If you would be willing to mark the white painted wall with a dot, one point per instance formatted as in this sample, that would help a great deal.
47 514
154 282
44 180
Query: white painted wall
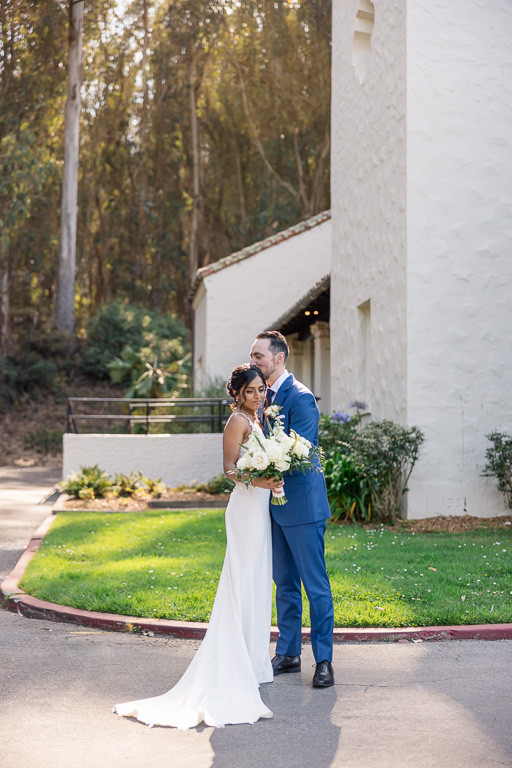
459 158
369 210
245 298
175 458
200 331
422 226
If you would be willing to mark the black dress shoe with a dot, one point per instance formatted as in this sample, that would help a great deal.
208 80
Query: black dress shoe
282 664
324 675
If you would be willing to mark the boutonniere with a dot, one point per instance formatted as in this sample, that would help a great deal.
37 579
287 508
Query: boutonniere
272 412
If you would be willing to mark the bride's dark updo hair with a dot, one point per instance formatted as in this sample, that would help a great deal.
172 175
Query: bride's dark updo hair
240 377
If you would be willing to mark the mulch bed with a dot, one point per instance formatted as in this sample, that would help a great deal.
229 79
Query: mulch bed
451 524
137 505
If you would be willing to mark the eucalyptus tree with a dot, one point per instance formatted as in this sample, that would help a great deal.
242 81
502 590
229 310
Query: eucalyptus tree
65 310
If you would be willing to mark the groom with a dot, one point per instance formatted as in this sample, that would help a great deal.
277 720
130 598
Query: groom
298 527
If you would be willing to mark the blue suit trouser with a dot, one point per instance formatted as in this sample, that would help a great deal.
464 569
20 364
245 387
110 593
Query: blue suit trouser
298 556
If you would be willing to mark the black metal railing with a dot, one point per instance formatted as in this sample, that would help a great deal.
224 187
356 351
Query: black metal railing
141 415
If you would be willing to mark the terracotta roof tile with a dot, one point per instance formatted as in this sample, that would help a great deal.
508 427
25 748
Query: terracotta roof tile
261 245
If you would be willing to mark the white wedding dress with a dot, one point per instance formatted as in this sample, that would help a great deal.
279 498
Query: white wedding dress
221 685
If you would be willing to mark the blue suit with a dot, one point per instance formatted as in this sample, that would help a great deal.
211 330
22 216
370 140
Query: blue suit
298 529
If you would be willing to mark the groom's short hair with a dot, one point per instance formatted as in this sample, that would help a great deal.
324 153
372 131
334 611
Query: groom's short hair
277 342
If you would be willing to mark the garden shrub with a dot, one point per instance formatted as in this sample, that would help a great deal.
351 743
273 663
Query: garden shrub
25 374
366 467
93 483
119 325
89 483
499 463
385 454
44 440
218 484
155 371
347 489
336 430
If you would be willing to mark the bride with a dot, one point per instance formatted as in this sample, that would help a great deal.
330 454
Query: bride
221 685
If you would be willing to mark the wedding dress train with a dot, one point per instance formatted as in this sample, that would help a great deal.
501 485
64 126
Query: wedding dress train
221 685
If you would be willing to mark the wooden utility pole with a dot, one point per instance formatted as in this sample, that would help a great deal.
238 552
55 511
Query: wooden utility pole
65 312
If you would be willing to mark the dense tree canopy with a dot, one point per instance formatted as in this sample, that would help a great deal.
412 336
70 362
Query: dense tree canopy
205 126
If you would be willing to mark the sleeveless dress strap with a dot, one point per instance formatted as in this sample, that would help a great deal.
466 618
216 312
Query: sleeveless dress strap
248 419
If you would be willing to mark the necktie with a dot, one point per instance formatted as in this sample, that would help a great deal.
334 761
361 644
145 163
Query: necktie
268 401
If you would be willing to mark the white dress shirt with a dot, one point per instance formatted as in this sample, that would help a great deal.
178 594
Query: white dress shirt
274 389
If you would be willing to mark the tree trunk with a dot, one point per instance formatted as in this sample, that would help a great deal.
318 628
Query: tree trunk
65 313
143 178
4 297
193 257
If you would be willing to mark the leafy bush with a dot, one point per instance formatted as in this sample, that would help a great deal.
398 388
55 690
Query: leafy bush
89 483
93 483
366 468
218 484
385 454
499 463
147 376
26 374
347 490
214 387
126 485
336 430
44 440
153 487
120 325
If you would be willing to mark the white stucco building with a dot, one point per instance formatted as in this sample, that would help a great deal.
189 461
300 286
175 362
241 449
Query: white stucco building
281 282
421 310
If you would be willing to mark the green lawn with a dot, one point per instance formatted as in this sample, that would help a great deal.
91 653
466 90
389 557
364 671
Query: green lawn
167 564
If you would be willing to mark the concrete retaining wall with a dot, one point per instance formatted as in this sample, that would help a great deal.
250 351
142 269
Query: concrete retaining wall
175 458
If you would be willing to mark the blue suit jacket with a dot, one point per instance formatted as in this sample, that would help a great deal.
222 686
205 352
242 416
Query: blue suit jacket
306 493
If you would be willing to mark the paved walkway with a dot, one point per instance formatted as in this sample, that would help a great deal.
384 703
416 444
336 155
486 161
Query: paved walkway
394 705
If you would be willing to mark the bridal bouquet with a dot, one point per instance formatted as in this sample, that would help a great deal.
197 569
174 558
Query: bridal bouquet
275 453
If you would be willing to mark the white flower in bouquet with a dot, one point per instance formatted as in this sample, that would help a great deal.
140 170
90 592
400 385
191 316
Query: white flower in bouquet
275 451
259 460
272 412
301 439
283 465
275 454
300 450
243 462
285 441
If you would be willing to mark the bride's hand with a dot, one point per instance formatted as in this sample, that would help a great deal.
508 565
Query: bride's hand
270 483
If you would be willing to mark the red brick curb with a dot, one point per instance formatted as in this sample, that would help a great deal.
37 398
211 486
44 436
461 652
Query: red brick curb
15 599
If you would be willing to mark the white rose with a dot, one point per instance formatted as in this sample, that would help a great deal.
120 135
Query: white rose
242 462
285 442
274 451
283 464
253 443
300 439
259 460
300 450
